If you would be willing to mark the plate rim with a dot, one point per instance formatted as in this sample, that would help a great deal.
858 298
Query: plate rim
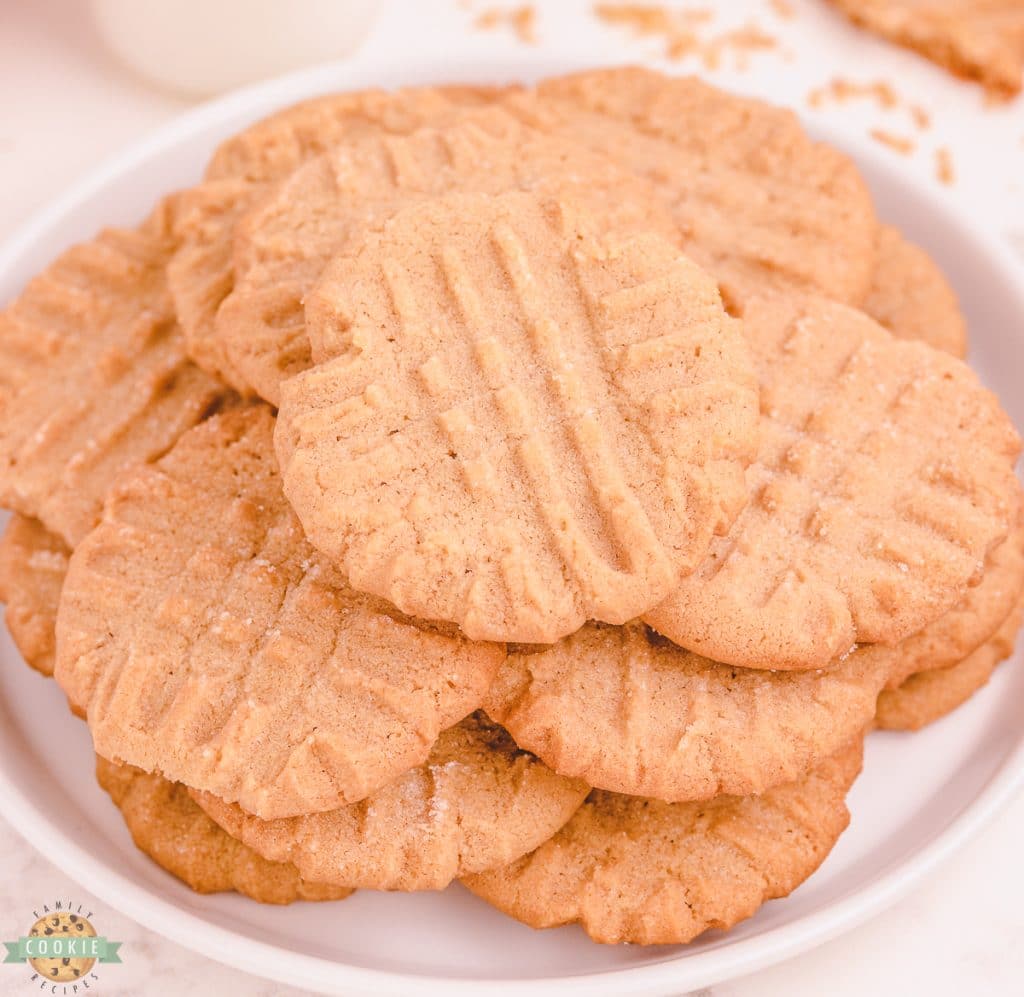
190 929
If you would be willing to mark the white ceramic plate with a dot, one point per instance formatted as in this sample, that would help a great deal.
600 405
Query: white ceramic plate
919 798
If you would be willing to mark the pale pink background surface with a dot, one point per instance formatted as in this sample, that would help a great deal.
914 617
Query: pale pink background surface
66 106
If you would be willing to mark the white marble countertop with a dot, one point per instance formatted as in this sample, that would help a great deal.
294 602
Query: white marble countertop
66 106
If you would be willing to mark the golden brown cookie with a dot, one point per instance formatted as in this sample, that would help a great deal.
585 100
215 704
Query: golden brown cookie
979 40
171 829
271 148
93 377
631 869
525 424
628 711
758 204
884 479
911 297
284 243
929 695
207 641
971 623
477 802
32 566
242 172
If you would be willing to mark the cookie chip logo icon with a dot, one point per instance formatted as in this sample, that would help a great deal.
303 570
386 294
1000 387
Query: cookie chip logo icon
61 926
62 946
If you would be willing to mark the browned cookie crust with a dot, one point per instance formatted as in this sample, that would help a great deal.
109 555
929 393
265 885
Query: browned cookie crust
168 826
927 696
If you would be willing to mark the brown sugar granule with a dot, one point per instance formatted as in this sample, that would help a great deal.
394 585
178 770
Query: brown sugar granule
881 92
944 166
522 21
682 44
678 29
741 41
651 19
904 146
840 89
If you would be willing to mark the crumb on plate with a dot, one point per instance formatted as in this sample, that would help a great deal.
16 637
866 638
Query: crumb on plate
899 143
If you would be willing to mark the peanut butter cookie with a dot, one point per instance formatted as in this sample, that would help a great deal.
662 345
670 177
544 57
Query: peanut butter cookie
33 563
911 297
631 869
929 695
477 802
885 478
207 641
758 204
171 829
521 422
94 378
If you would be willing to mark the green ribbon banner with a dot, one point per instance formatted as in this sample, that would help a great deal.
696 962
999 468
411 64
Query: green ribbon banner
62 947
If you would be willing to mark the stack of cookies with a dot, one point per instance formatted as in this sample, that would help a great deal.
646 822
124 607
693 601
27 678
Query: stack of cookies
545 489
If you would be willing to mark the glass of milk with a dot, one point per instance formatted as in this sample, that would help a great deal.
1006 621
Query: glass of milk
202 47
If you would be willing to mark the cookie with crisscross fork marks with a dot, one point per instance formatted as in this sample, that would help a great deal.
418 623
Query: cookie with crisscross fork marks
757 203
243 171
272 147
627 710
525 424
911 297
475 803
93 377
169 827
207 641
283 244
929 695
884 479
632 869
